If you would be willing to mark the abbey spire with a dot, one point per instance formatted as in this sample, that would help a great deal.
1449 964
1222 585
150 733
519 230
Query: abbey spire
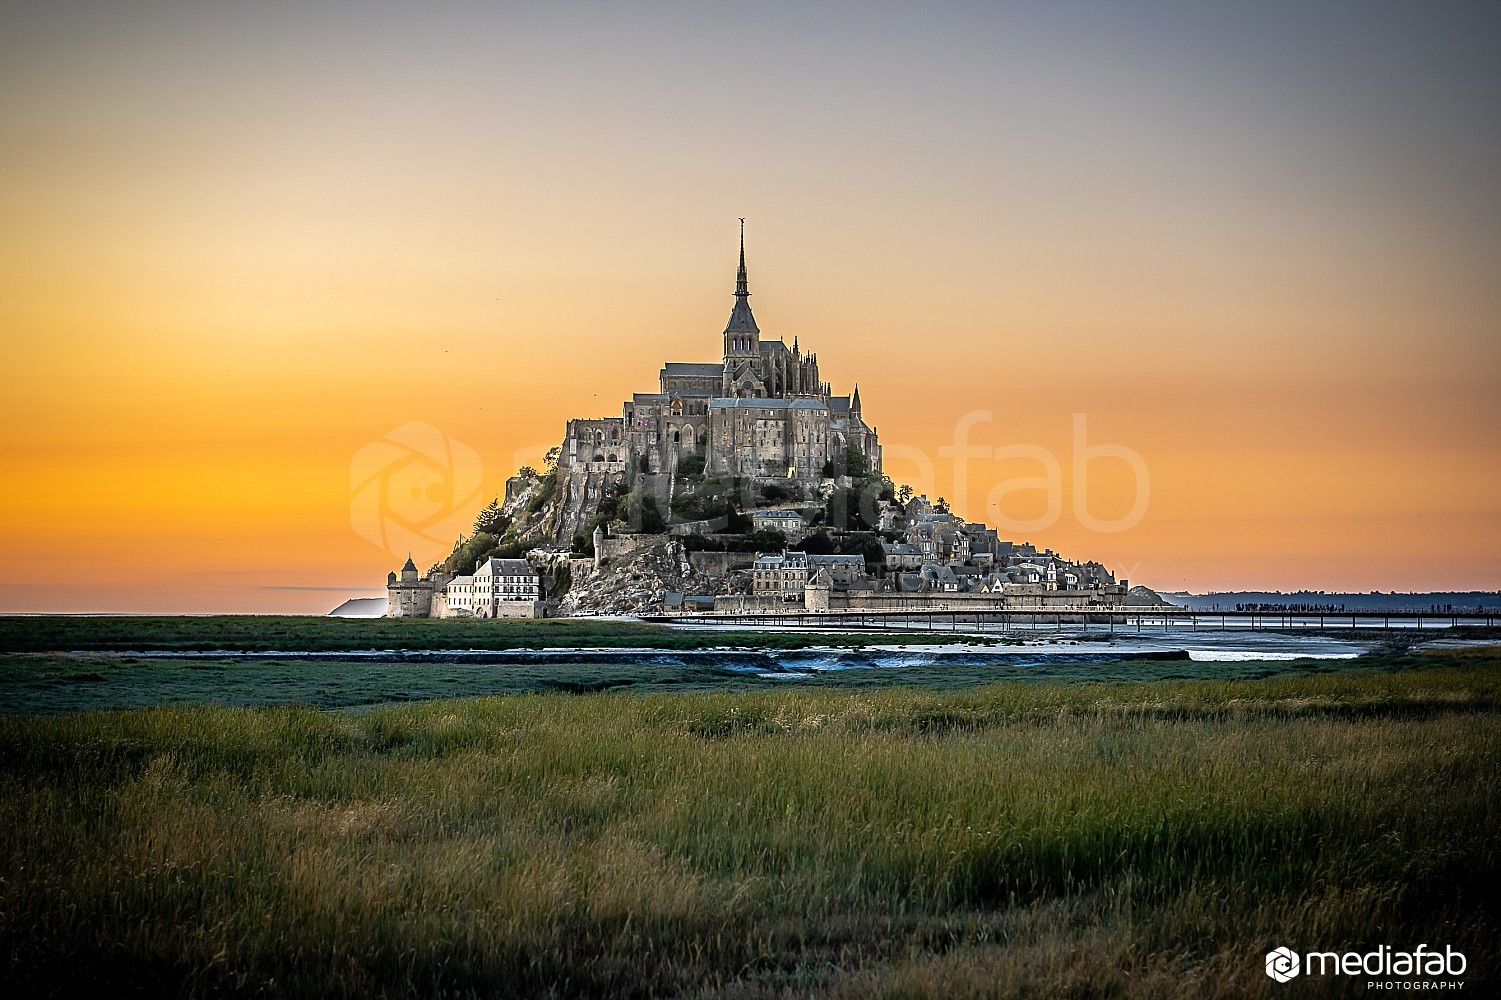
742 324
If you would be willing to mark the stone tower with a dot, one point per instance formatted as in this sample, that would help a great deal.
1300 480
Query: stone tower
742 338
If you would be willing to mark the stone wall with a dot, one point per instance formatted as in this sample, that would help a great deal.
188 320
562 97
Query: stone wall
599 443
619 546
866 600
719 564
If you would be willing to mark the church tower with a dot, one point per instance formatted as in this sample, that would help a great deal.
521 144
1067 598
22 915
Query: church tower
742 339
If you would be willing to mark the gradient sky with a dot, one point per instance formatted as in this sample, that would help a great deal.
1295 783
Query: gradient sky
1257 244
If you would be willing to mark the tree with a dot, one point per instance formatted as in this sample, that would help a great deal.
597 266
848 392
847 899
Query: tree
467 553
738 523
863 543
942 506
691 465
491 520
818 544
773 493
639 509
904 495
551 458
855 464
526 471
766 540
851 508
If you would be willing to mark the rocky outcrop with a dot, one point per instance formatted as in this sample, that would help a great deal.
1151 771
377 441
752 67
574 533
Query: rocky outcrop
1146 597
635 583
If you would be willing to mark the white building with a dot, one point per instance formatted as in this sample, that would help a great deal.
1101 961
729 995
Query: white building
498 588
505 588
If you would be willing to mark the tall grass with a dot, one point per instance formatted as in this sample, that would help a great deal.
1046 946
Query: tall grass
1085 839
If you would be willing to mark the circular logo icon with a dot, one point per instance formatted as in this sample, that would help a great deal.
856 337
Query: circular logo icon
1282 964
413 490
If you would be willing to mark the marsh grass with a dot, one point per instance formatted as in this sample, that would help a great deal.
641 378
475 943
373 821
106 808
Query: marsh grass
1084 839
36 683
257 633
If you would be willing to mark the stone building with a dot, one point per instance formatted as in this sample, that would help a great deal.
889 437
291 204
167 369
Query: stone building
786 574
498 588
408 596
788 522
761 412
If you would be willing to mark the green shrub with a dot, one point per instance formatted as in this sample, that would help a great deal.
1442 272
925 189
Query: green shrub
639 510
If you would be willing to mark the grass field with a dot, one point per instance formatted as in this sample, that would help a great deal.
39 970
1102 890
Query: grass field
1085 839
38 683
42 633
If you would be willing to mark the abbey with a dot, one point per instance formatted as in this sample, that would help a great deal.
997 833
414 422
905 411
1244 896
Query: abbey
761 412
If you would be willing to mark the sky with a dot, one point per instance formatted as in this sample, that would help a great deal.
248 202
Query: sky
1251 250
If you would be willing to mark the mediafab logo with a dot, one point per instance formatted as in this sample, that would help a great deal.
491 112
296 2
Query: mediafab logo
1283 964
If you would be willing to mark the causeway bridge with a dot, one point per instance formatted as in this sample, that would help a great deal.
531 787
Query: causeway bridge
1112 620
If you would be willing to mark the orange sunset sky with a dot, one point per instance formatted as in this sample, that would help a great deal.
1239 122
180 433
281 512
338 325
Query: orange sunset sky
1258 247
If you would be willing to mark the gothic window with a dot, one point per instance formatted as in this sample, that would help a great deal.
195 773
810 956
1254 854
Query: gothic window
677 407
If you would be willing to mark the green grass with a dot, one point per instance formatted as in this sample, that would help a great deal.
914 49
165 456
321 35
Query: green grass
44 633
1087 839
37 683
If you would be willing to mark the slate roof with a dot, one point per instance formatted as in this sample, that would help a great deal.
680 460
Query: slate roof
741 320
507 567
754 403
693 369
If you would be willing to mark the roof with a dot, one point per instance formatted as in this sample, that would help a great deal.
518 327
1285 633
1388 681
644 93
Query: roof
691 368
648 397
741 320
835 560
757 403
773 346
784 515
506 567
839 404
408 565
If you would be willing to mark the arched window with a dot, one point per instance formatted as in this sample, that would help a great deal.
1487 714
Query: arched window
676 437
677 407
612 458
